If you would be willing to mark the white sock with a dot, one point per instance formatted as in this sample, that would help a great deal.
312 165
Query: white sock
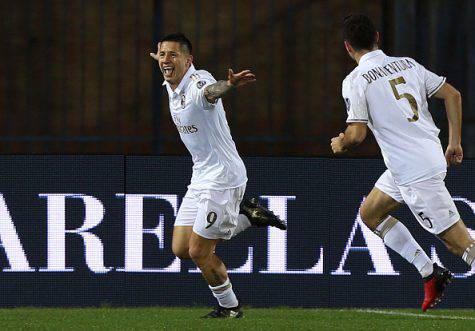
400 240
469 255
225 294
242 224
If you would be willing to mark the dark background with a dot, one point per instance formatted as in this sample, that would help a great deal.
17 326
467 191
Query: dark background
76 76
328 194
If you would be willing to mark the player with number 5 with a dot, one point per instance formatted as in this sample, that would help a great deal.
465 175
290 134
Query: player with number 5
389 95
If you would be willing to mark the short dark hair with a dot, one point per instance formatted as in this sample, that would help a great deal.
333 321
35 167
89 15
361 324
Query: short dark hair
179 38
359 31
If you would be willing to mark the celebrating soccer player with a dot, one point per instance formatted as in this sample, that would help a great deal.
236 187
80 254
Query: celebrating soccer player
389 95
211 209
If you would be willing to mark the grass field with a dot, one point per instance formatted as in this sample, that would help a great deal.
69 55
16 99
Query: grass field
157 318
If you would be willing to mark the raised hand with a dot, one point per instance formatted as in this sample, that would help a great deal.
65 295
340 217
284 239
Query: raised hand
221 88
241 78
155 55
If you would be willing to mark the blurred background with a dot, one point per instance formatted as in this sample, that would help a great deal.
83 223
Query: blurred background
76 76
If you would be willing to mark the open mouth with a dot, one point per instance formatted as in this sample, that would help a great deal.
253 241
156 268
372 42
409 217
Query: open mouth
167 71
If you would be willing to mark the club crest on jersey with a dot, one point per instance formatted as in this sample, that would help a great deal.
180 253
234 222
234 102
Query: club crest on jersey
176 120
200 84
183 99
348 104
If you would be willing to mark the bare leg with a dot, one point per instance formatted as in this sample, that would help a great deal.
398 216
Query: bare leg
181 240
202 252
459 242
213 270
375 212
376 208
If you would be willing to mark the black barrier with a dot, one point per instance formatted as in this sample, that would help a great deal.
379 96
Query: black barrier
96 230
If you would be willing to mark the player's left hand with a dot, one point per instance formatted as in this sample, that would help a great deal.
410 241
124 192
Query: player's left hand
241 78
337 144
454 155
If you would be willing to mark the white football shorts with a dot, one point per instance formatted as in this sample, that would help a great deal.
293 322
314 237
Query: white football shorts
213 214
429 200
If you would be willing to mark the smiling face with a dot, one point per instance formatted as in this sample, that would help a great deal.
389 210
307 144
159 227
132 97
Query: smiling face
174 61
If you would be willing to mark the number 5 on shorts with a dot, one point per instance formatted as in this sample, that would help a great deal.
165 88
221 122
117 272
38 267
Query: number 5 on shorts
425 218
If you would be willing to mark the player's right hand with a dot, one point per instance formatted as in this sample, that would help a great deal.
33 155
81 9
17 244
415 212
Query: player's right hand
337 144
454 155
155 55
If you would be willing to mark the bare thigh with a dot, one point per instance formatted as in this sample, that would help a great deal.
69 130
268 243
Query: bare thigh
181 241
202 246
376 207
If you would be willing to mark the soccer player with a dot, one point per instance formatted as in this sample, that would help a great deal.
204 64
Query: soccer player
389 95
211 210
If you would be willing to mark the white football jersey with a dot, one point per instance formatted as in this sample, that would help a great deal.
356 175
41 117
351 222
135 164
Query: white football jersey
205 132
390 95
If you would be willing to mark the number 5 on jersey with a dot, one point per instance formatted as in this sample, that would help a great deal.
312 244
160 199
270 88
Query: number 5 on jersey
409 97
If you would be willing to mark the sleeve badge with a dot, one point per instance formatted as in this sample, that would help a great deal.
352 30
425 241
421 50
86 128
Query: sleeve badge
200 84
348 104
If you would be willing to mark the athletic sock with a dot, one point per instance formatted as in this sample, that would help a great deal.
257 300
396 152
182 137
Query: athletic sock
225 294
242 224
397 237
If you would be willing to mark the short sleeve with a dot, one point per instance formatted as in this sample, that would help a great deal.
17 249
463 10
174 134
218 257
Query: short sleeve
432 81
197 90
353 93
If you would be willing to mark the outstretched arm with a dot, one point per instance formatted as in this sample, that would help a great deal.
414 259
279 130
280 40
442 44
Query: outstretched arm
354 135
453 107
221 88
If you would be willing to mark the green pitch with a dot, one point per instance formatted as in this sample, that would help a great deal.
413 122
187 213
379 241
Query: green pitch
158 318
